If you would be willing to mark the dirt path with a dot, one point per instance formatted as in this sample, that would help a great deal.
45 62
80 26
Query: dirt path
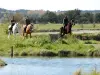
74 32
86 31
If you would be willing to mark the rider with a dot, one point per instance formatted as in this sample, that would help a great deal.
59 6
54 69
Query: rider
27 20
12 23
65 21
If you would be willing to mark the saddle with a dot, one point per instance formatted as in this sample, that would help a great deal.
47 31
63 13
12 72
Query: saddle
25 29
11 27
66 28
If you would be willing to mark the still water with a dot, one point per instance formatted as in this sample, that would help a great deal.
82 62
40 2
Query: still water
48 66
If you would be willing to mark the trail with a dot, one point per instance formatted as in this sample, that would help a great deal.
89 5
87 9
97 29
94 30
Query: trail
74 32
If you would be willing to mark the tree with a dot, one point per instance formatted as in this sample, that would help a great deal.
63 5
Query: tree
18 17
60 18
73 14
97 17
7 16
49 17
89 17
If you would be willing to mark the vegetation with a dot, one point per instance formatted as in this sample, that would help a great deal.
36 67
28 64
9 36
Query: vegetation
41 16
43 45
93 72
55 27
2 63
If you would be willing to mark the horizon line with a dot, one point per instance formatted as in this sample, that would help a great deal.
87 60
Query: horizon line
50 10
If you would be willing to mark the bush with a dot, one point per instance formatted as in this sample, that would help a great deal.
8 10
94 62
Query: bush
23 53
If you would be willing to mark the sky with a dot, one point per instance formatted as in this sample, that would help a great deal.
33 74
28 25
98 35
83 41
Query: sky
52 5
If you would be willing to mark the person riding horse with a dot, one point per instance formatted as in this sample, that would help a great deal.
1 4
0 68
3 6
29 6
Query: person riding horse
27 28
27 23
65 21
67 27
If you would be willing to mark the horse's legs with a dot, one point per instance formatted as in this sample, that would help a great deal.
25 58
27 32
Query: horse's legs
23 33
26 35
61 31
30 35
14 33
9 33
70 31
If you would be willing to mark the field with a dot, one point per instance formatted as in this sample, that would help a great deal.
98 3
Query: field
42 45
57 26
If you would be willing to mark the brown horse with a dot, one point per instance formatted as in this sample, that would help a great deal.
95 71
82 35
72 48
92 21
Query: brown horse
67 28
28 30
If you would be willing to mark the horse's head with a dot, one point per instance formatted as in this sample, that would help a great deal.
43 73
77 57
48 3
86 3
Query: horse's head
72 22
32 26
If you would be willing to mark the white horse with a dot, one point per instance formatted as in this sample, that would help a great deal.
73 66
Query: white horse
14 30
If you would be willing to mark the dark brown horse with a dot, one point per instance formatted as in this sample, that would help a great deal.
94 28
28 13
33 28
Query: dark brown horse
67 28
28 30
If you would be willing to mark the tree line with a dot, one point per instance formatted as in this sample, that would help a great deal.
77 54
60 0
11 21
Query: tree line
50 16
79 17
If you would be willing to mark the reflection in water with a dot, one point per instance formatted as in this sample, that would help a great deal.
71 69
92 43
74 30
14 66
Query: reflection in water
48 66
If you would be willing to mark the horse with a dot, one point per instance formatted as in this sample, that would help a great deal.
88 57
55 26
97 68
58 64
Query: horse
67 28
14 30
28 30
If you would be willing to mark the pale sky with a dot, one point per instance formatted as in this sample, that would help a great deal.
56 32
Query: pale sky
52 5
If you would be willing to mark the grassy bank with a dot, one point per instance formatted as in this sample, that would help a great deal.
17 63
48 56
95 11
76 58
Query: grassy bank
2 63
93 72
42 45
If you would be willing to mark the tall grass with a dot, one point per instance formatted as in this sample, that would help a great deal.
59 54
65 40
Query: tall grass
2 63
93 72
40 42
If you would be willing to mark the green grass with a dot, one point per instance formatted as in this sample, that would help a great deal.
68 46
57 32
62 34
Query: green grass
93 72
86 26
40 44
2 63
48 26
57 26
